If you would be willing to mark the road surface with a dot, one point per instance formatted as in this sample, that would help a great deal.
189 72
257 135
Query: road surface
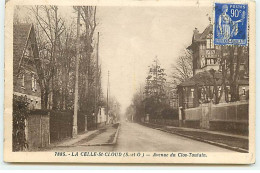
134 137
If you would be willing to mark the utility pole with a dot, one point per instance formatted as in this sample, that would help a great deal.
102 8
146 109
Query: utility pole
156 78
75 116
107 94
97 83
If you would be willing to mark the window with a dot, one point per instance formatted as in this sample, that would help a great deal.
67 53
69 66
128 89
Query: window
28 53
192 93
33 82
23 80
208 61
202 94
210 44
244 91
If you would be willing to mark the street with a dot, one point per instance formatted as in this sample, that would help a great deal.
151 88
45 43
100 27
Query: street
134 137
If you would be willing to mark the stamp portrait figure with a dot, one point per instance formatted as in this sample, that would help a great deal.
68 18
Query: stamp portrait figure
227 28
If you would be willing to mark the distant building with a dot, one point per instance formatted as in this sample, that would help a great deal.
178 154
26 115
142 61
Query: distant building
101 117
171 95
207 56
25 55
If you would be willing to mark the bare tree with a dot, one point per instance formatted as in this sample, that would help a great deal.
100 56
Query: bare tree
88 67
183 68
56 65
49 27
228 74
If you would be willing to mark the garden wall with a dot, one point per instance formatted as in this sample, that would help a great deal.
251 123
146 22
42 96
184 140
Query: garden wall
37 129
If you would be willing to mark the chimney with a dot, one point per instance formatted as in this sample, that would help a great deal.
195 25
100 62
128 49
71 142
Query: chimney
195 34
195 31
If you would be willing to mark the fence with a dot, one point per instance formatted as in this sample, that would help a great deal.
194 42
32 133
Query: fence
61 123
37 129
43 127
81 122
231 117
230 112
228 117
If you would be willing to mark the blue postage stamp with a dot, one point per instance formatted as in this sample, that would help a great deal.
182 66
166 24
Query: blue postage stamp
230 24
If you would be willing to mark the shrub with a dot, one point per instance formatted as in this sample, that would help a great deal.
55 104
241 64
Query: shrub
20 114
169 113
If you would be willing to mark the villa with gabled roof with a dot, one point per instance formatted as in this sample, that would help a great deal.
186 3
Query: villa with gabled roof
25 57
206 57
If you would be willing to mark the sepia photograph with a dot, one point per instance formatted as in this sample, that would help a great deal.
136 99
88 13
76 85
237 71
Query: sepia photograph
121 81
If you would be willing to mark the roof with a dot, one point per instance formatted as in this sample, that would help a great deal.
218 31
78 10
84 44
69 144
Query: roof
204 34
201 78
197 37
21 33
205 78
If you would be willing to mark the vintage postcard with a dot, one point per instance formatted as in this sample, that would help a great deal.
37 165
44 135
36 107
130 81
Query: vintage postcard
95 81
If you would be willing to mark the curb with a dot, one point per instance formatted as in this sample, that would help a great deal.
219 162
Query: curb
106 144
75 141
116 135
206 141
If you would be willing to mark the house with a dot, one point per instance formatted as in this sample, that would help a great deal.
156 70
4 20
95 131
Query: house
25 57
199 89
208 72
25 83
101 117
205 54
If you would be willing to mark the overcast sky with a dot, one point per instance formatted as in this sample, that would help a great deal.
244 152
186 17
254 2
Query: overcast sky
131 37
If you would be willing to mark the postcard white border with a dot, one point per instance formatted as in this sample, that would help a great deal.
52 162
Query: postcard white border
213 157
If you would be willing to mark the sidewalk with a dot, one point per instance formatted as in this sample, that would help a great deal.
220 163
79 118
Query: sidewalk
226 140
209 131
104 136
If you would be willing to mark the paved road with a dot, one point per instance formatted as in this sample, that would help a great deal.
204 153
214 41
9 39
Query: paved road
135 137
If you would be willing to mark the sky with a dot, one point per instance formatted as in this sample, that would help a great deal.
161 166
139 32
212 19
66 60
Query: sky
131 38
